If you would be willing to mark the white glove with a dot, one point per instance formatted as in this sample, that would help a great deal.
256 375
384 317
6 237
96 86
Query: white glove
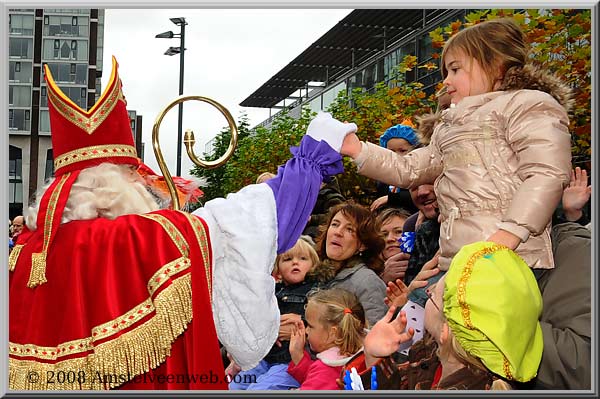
325 128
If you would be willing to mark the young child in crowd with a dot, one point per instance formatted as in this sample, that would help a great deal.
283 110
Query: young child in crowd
500 154
296 273
401 139
335 327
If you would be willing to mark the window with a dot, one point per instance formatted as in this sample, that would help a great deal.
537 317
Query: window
65 51
27 115
21 25
83 92
73 69
17 121
49 165
56 44
15 179
20 72
19 96
46 20
44 121
20 47
73 44
81 74
74 21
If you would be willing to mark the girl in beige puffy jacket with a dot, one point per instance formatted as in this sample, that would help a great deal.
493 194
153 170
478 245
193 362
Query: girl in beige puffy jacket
499 156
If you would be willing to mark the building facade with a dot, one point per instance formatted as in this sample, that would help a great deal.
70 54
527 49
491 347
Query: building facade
70 42
361 50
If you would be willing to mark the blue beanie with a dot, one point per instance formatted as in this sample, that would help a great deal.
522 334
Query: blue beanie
399 132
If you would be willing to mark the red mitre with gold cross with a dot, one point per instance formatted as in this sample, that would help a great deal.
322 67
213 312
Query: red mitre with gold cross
80 139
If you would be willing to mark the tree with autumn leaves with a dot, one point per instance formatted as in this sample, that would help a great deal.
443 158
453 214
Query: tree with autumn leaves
560 42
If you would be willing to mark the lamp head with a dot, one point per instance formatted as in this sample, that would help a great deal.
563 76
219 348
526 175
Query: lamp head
165 35
178 21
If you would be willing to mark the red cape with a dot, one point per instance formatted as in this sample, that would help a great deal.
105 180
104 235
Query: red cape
116 310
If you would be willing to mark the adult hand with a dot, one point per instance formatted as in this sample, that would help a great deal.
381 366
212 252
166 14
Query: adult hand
576 195
429 269
505 238
379 202
386 336
286 326
397 292
297 343
395 267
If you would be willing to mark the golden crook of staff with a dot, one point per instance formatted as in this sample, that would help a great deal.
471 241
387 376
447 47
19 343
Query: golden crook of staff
189 143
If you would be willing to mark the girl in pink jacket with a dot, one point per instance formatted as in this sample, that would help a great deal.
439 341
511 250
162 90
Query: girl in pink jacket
335 327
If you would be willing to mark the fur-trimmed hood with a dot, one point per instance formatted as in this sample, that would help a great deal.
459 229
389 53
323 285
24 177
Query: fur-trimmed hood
529 77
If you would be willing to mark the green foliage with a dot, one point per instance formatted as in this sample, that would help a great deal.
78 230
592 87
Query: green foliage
560 41
262 150
215 178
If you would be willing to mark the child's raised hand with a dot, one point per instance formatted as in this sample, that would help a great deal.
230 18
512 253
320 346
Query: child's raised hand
396 294
297 343
386 336
576 195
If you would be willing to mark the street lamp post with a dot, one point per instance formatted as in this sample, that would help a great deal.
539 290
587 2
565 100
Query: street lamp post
181 51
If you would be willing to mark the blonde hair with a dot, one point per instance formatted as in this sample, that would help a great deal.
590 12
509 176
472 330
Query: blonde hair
351 324
469 360
302 246
105 191
497 45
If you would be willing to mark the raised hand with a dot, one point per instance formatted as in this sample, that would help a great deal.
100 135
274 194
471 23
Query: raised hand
287 325
386 336
576 195
297 343
379 201
326 128
396 294
395 267
351 146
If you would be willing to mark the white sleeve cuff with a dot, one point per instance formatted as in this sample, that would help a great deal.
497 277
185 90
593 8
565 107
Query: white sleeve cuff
243 234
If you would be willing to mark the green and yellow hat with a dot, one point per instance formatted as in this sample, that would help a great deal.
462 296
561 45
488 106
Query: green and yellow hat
493 304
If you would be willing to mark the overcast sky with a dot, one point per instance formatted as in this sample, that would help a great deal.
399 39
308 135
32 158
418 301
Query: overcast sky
230 53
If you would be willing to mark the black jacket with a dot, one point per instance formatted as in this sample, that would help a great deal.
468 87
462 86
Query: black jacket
290 299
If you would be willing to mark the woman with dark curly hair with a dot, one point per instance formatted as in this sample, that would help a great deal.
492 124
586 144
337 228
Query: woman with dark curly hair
349 245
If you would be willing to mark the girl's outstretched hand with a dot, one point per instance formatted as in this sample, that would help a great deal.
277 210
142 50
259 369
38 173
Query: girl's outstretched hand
386 336
351 146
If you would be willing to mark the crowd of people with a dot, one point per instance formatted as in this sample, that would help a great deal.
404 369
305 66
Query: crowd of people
470 270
